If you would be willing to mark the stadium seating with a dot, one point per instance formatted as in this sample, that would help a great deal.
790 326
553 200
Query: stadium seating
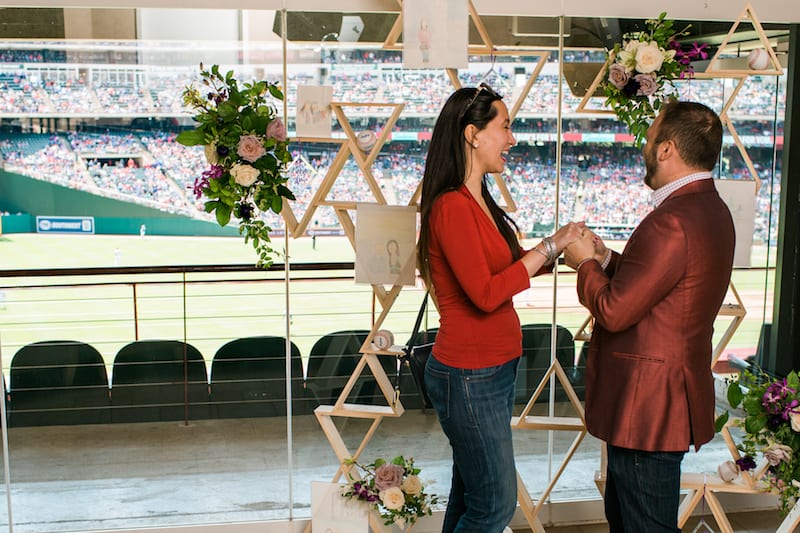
248 379
536 345
58 382
332 359
155 380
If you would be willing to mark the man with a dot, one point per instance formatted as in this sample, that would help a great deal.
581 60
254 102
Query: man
649 388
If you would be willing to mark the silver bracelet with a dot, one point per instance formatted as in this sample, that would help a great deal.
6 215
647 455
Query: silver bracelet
536 249
551 250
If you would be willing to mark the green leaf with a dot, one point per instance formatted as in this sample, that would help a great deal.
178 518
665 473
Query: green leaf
275 92
190 138
792 380
277 204
735 395
752 404
720 422
285 192
227 110
223 214
754 424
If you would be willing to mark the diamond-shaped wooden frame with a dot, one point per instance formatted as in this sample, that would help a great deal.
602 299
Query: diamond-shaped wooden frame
347 146
525 420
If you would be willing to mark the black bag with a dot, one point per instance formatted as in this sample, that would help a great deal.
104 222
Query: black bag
415 356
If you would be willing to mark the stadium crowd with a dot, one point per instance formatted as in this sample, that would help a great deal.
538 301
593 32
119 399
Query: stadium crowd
601 184
123 91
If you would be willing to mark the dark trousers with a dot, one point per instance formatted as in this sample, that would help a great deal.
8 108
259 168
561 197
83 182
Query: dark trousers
642 490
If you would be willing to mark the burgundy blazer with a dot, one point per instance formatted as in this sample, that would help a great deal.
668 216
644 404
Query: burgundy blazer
648 377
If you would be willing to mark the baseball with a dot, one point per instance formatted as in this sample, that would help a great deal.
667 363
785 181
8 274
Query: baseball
383 339
758 59
366 140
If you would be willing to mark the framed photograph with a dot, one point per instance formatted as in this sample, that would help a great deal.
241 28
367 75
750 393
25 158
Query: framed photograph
333 513
740 195
435 33
386 244
314 110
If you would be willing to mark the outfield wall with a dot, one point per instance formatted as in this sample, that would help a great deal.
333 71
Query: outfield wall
31 198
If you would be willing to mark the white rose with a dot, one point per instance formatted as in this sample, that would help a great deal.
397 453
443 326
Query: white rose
211 153
412 485
795 418
649 57
393 498
244 175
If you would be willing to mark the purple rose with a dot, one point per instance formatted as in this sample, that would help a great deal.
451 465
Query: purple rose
647 84
388 475
617 75
276 130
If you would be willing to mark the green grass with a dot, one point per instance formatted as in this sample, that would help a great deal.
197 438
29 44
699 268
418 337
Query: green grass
220 307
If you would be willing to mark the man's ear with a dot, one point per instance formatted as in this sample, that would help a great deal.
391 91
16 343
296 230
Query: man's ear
666 149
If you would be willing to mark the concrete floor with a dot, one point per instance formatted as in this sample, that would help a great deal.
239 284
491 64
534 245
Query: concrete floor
131 476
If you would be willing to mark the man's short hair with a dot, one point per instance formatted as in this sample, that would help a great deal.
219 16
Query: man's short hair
696 131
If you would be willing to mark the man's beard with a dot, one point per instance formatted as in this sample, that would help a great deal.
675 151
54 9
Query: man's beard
651 166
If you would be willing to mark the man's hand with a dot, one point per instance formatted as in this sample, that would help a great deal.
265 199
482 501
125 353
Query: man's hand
580 249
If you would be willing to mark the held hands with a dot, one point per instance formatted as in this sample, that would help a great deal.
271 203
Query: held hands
589 246
551 247
567 234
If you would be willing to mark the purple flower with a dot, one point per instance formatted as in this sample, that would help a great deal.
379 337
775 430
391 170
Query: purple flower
617 75
647 84
199 184
214 172
789 408
746 463
774 422
698 50
276 130
222 151
774 396
631 88
246 211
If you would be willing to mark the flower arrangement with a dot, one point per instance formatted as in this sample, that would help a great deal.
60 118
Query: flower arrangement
771 427
641 73
392 488
246 149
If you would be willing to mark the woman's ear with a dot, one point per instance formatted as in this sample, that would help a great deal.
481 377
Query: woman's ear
469 134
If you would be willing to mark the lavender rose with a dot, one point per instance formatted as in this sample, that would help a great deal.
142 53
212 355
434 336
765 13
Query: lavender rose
250 148
778 453
647 84
617 75
276 130
388 475
244 175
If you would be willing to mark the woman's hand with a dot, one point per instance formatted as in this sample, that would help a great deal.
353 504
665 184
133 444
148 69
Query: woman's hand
567 234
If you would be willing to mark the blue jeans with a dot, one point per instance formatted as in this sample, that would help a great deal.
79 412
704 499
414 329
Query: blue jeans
474 409
642 490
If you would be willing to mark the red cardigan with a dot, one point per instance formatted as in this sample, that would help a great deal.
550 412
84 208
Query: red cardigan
475 279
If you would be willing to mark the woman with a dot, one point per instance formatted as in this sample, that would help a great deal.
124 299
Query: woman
470 256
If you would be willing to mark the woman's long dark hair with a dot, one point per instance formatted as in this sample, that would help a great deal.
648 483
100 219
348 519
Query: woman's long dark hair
446 164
